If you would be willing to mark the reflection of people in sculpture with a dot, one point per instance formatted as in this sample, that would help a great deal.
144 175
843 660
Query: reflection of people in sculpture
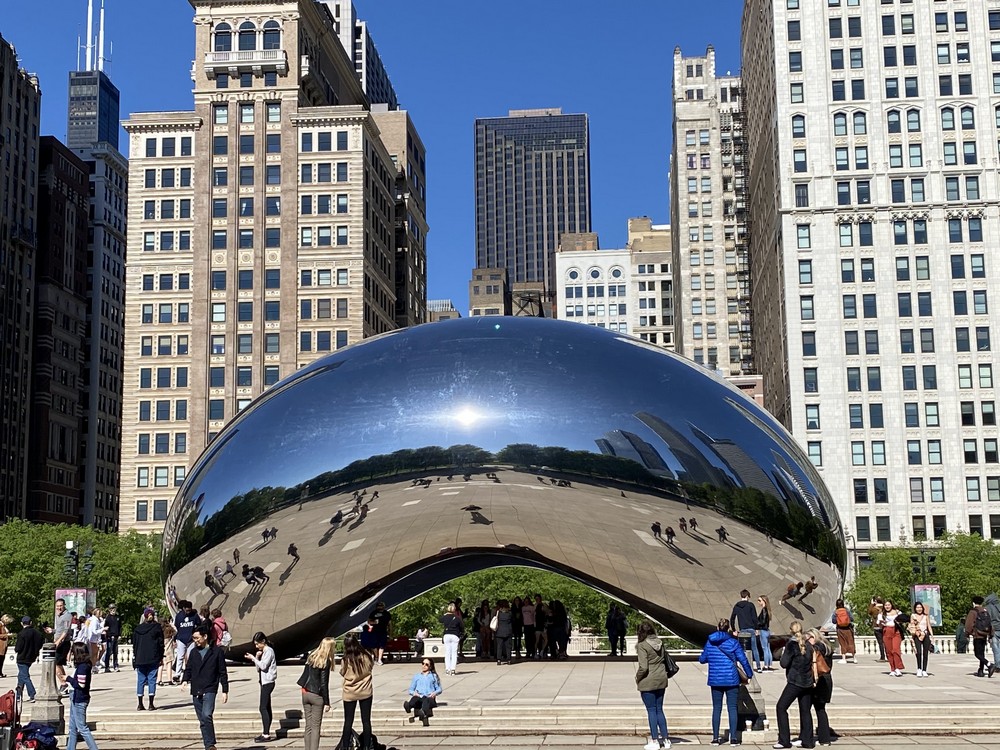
811 586
684 526
670 534
793 589
723 533
229 570
337 519
260 575
656 529
694 524
293 551
236 556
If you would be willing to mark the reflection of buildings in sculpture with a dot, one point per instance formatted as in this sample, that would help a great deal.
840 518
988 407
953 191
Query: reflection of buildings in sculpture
742 466
695 468
802 490
626 444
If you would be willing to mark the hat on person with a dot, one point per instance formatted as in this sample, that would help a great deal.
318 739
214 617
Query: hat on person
112 606
25 620
148 611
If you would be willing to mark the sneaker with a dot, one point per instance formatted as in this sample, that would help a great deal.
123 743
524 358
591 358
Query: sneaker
406 706
779 746
262 738
796 743
379 662
31 700
665 744
652 745
991 669
717 741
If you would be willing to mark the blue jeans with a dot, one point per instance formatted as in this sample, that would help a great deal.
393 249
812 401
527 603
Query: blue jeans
78 726
754 645
653 701
765 642
24 679
732 695
204 707
145 676
995 645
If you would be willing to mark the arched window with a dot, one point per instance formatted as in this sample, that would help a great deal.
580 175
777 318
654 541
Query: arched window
839 123
860 124
968 119
892 120
223 38
272 35
947 119
798 126
913 120
573 274
616 273
248 36
595 273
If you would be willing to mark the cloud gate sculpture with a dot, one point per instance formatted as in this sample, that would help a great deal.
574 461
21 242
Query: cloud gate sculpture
402 462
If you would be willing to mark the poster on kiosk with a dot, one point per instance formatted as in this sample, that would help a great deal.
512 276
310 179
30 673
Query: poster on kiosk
930 595
77 600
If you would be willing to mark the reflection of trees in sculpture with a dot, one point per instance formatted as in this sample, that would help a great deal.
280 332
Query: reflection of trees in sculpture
755 508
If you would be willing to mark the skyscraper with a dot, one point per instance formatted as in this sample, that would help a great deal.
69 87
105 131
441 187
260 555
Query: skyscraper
92 127
20 104
532 186
357 42
708 216
873 207
262 233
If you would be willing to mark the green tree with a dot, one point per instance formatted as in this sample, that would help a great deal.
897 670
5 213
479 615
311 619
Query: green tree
965 565
126 569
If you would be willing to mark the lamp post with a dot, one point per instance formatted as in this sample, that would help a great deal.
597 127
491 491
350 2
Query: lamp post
853 548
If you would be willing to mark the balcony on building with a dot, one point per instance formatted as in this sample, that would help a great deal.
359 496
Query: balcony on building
258 50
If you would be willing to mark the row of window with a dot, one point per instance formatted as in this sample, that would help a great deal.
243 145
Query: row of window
248 36
911 415
857 87
965 339
159 510
596 290
968 376
904 304
160 476
914 153
246 111
159 442
321 341
168 146
246 79
245 279
165 346
958 231
915 451
576 311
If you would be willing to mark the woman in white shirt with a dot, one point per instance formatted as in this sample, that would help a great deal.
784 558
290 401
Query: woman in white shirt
891 637
95 636
267 674
922 631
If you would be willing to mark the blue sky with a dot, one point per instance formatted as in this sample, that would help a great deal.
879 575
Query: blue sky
451 61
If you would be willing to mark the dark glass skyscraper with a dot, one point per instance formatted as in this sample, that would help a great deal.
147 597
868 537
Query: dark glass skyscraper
93 109
532 186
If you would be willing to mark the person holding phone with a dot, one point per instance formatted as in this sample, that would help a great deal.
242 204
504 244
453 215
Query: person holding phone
267 675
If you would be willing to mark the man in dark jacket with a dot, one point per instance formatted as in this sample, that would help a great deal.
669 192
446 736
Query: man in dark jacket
27 647
744 621
112 631
979 627
206 674
147 653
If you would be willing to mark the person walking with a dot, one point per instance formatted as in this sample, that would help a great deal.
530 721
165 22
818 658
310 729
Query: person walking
425 687
5 622
219 629
206 673
797 661
383 628
453 629
169 650
79 684
764 632
267 676
112 632
185 622
722 653
980 629
922 630
27 647
992 605
651 680
874 610
504 631
315 684
823 689
356 669
844 621
891 638
148 649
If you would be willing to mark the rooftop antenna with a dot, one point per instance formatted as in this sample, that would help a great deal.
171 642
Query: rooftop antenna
90 34
78 45
100 40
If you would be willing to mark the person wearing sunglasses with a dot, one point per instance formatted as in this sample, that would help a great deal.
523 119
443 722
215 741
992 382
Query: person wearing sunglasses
425 687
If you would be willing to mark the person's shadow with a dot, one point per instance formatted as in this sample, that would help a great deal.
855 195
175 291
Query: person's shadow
251 600
689 559
288 572
328 535
796 612
360 520
479 518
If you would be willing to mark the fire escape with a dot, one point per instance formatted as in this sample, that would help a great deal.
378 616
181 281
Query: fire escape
740 168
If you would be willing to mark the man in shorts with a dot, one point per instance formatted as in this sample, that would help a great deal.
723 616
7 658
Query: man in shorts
61 636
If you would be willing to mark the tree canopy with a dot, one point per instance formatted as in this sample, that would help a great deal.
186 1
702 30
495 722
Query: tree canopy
126 569
964 565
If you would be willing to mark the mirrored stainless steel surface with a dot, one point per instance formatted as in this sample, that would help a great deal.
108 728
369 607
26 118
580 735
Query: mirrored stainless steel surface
498 441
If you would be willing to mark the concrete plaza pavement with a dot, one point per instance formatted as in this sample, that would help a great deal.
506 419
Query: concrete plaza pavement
586 701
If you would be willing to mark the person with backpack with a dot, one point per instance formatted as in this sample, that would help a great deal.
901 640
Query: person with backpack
220 629
980 629
651 679
992 605
844 621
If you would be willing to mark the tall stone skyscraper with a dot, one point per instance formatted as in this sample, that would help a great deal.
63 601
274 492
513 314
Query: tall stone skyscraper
874 208
92 128
532 186
20 105
262 233
708 217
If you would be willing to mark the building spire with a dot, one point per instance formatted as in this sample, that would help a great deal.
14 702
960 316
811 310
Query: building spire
90 34
100 40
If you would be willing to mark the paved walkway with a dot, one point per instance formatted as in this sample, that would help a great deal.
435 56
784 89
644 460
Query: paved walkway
607 685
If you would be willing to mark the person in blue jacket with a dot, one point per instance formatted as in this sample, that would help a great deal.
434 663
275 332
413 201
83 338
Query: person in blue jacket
722 653
425 687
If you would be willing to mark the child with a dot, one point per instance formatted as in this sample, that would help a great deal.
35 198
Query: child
79 684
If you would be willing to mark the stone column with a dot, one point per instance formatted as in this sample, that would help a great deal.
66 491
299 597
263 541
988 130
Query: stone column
48 708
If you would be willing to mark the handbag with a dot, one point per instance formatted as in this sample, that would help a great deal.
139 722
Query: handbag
670 664
744 678
495 621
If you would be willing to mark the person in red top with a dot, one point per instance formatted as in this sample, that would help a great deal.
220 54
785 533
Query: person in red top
219 626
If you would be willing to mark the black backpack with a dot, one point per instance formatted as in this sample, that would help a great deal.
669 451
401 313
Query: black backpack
982 624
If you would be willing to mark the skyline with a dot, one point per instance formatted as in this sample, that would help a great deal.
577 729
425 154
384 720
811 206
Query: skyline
419 45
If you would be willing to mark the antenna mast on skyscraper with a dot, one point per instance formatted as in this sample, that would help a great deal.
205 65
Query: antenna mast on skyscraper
100 40
90 34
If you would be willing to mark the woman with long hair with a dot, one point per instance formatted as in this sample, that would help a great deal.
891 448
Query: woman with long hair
453 630
79 685
484 633
267 675
315 684
356 669
504 631
764 632
823 689
169 652
722 653
425 687
922 630
797 661
886 622
651 680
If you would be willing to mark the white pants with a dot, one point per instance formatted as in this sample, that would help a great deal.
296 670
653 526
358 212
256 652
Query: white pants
450 652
